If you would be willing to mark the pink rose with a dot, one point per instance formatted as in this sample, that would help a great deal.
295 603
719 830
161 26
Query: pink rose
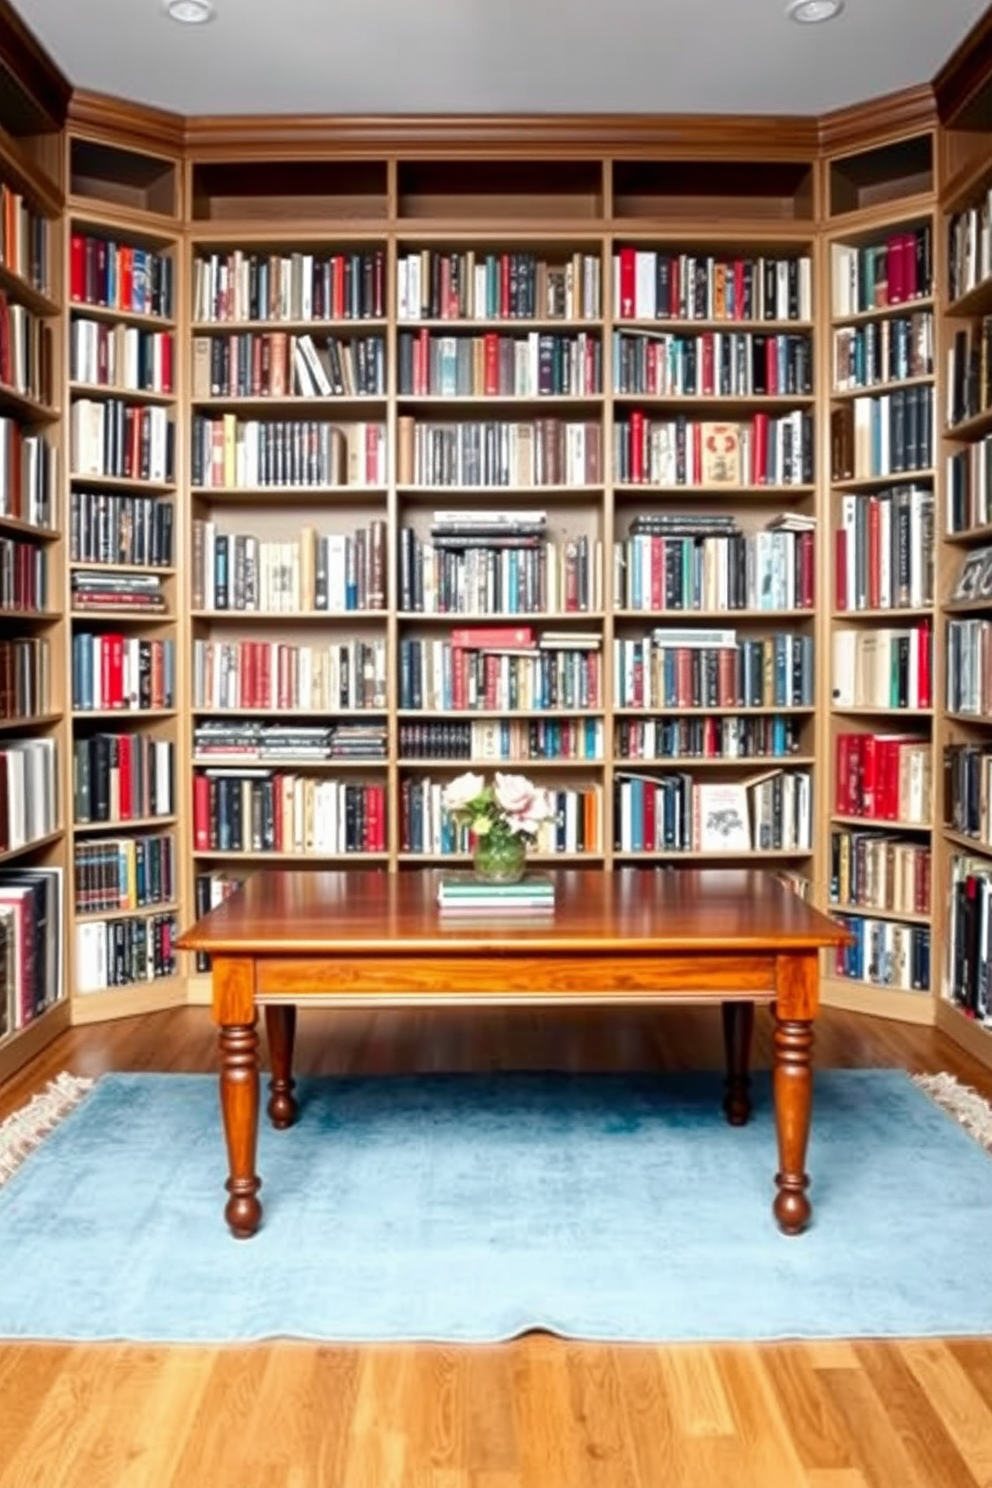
524 805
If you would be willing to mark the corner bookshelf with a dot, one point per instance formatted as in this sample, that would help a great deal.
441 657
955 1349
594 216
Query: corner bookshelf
880 363
964 979
34 1007
125 527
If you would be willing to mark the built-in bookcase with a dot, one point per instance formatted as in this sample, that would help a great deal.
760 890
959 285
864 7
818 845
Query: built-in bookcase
125 532
963 977
881 362
33 1002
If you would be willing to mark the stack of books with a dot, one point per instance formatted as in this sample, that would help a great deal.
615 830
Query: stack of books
464 894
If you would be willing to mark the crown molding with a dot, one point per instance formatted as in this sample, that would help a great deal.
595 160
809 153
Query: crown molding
878 120
785 137
23 55
121 122
967 69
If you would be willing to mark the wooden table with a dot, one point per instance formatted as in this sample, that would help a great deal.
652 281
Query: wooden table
366 938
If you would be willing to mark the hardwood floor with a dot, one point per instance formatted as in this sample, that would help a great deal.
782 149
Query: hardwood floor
536 1413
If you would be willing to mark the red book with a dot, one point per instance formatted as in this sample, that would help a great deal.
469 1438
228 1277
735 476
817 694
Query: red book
201 813
636 446
910 277
895 270
479 637
771 366
114 693
77 267
125 768
628 283
759 450
840 568
504 286
924 665
874 553
490 343
707 382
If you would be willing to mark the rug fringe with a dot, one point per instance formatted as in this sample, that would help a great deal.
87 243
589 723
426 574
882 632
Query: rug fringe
963 1102
25 1130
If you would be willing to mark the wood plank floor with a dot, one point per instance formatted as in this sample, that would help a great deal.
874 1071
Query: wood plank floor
537 1413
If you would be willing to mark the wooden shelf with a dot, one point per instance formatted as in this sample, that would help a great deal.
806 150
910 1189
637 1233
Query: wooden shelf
131 824
123 394
143 319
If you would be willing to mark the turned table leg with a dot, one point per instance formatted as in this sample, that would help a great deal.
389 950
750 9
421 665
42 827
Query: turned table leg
280 1028
239 1108
738 1026
797 983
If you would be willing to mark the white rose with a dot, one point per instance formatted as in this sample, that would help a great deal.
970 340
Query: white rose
459 793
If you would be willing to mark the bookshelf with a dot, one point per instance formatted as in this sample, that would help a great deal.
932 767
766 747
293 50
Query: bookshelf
33 1002
125 556
880 741
966 739
620 341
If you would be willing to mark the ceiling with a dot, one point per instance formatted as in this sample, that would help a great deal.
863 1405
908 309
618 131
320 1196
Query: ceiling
499 56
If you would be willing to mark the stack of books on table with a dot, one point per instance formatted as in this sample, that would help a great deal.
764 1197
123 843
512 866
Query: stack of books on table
464 894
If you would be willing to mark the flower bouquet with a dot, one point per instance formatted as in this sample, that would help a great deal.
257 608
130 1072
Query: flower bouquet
504 818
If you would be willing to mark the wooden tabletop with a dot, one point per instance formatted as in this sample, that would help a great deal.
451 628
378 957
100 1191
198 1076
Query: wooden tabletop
353 910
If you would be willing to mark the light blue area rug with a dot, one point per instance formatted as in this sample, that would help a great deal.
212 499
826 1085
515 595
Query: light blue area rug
474 1208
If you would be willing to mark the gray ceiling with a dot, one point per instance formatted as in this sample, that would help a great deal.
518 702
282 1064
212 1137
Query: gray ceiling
499 56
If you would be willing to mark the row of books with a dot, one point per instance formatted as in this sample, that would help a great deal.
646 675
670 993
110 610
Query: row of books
520 285
758 451
885 435
969 937
251 740
25 352
884 953
969 242
210 889
111 670
234 453
24 239
880 351
124 440
509 569
119 777
878 871
31 939
969 667
502 739
883 668
712 737
676 813
29 791
23 576
538 364
652 285
335 572
114 589
879 275
713 669
426 827
967 782
124 873
884 549
124 952
445 677
708 563
25 677
28 476
883 778
969 486
110 527
275 364
121 357
720 364
339 677
245 286
245 809
120 276
969 372
499 452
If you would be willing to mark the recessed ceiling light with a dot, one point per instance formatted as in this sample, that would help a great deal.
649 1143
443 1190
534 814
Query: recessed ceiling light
190 12
810 12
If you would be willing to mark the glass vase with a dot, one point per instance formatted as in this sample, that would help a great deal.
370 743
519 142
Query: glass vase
499 859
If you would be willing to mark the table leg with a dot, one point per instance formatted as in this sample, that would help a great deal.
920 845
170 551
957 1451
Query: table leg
738 1026
280 1029
793 1081
239 1108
